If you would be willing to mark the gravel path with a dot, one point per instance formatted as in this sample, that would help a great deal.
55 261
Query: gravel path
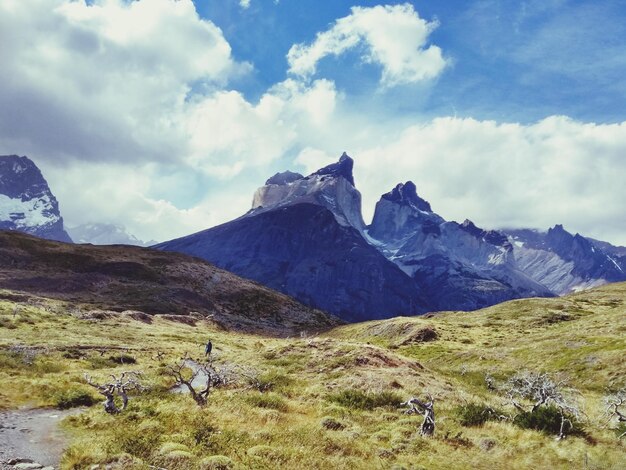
33 434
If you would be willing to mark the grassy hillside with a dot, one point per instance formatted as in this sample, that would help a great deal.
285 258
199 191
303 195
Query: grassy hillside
329 401
122 278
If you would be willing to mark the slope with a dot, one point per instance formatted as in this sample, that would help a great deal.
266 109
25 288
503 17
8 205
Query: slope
303 251
329 401
120 278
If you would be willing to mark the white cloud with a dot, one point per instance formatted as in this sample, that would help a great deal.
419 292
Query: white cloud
394 37
505 174
245 4
105 80
113 98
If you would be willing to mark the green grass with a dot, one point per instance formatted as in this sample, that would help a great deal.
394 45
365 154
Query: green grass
330 401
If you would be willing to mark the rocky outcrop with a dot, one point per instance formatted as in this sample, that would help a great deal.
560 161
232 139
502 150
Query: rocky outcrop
460 266
331 187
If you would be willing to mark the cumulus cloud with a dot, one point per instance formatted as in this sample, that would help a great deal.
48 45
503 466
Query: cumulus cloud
557 170
394 37
245 4
128 105
108 79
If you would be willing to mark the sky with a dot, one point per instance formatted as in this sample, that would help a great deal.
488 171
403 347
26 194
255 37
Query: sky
165 115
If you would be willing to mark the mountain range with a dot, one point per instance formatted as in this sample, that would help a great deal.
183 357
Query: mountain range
305 236
105 234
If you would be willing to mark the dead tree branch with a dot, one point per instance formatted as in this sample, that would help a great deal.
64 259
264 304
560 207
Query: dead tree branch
614 409
119 386
425 409
542 390
199 378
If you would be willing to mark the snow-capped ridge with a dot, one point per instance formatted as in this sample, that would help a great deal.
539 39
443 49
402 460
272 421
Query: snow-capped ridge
26 202
105 234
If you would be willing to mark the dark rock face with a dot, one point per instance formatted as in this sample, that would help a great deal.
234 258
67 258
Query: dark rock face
283 178
302 251
26 202
407 194
567 262
341 168
490 236
459 266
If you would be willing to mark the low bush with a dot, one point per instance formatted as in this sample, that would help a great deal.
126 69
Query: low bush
267 400
216 462
360 400
332 424
476 414
73 398
547 419
123 359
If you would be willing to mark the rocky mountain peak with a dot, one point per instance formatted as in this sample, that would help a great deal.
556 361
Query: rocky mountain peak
331 187
26 202
342 168
283 178
407 194
490 236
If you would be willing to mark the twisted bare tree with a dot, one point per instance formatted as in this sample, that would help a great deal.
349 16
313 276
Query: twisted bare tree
614 410
425 409
199 378
541 390
118 386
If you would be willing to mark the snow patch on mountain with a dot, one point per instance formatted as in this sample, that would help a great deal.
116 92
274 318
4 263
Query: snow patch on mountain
26 202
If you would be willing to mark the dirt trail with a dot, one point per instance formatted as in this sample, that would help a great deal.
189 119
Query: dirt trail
33 434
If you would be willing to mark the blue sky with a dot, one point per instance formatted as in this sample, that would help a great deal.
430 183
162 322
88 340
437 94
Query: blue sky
166 115
510 60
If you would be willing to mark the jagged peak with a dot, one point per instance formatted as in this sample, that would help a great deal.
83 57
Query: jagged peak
490 236
284 177
407 194
342 168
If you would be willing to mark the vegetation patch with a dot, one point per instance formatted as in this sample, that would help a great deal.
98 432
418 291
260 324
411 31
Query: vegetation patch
267 400
360 400
476 414
73 398
548 419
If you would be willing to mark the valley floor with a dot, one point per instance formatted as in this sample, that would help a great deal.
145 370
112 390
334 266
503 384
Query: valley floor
330 401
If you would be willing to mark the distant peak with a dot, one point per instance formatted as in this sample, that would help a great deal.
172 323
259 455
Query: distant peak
490 236
407 194
283 178
342 168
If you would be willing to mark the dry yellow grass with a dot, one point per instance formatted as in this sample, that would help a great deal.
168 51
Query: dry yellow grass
298 423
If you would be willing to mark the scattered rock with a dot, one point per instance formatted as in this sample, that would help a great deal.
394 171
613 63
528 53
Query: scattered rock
28 466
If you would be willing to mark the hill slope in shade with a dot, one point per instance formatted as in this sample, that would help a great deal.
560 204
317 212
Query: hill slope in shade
303 251
131 278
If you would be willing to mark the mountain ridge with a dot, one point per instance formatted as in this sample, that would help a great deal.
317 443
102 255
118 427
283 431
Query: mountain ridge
26 201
